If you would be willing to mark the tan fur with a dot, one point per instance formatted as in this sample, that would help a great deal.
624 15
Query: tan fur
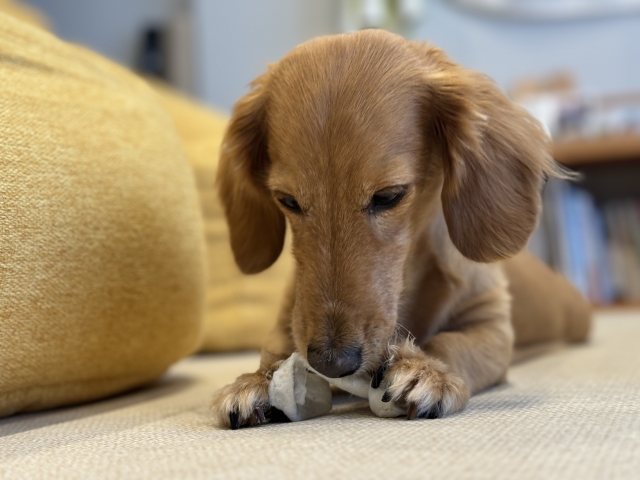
337 120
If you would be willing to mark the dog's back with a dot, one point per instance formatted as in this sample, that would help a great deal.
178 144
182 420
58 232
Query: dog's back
546 307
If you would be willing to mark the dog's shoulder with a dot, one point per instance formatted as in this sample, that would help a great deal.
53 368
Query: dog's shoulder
471 278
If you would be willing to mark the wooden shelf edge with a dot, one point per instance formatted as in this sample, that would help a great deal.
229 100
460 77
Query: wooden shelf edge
598 150
617 306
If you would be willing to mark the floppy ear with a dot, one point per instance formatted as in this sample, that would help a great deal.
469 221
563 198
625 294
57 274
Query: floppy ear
495 158
256 225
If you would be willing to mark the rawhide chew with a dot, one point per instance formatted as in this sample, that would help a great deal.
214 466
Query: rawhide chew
302 393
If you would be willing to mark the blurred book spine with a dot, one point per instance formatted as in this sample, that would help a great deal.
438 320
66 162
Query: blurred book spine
597 247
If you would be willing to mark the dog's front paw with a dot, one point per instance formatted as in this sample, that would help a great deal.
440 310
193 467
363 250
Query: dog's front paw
243 403
424 384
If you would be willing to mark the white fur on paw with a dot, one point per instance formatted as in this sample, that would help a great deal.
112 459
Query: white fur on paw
424 384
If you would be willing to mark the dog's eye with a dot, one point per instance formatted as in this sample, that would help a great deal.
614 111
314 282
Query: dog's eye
290 203
386 199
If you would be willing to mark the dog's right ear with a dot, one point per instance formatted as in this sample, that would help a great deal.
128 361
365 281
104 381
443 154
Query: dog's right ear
256 225
495 158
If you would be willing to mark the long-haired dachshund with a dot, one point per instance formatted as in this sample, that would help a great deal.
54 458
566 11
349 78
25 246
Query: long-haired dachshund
406 180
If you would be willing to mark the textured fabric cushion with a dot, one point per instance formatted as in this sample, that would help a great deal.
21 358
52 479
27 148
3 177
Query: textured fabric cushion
24 12
240 308
570 414
101 245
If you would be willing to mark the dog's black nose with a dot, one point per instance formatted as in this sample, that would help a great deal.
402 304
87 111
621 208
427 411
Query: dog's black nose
335 364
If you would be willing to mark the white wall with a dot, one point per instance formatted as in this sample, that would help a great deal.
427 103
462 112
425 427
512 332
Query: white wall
111 27
236 39
239 37
603 53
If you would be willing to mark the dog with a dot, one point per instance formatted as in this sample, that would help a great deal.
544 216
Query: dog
407 182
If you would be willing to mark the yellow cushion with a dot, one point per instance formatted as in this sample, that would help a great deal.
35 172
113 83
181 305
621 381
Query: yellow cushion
101 246
241 309
24 12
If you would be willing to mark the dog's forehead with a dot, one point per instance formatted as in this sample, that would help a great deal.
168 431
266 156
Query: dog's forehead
344 109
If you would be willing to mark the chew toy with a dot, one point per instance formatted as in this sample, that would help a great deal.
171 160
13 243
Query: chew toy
302 393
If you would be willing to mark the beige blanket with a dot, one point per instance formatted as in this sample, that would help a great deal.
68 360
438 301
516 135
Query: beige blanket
572 414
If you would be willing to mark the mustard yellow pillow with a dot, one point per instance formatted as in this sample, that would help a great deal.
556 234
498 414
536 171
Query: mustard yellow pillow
101 245
241 309
24 12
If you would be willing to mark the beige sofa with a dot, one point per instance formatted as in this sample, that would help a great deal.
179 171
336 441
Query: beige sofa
571 413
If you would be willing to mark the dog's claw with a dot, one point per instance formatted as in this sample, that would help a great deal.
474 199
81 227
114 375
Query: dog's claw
377 378
233 419
413 411
434 411
260 414
386 398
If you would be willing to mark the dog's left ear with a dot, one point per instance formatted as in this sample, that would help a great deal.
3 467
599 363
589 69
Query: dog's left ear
495 157
256 225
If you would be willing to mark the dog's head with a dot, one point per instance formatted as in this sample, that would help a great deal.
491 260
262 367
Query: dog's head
357 141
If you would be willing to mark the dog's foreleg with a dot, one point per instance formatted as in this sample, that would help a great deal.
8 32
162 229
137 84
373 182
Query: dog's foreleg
435 379
245 402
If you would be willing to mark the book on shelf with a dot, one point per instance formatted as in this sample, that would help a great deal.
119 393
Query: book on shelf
596 246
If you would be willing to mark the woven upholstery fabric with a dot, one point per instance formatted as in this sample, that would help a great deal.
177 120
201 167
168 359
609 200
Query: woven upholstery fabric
101 246
24 13
241 309
572 413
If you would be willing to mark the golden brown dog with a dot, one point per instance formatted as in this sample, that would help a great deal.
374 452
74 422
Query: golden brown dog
405 179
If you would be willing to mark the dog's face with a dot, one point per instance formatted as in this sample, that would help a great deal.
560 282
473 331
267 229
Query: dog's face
357 141
348 172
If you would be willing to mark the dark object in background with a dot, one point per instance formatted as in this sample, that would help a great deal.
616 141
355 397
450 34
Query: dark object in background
153 57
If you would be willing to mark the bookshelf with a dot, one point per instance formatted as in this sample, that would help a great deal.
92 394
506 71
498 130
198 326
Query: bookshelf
604 205
580 152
